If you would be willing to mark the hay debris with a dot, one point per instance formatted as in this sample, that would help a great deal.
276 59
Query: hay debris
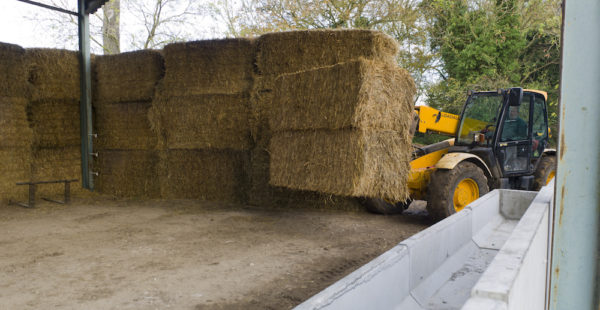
55 123
123 126
54 73
128 174
205 121
293 51
359 94
13 80
14 126
217 175
344 162
128 76
208 67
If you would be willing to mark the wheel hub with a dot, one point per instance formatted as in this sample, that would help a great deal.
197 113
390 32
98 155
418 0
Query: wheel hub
466 191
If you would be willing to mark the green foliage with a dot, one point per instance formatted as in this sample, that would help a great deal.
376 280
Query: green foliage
486 45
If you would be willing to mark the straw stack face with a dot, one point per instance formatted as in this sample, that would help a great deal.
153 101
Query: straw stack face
53 73
293 51
204 121
358 94
208 67
127 77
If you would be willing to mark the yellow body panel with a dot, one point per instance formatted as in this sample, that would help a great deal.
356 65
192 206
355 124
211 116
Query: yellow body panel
432 120
420 171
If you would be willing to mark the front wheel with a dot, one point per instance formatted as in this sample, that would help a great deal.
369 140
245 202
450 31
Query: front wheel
450 191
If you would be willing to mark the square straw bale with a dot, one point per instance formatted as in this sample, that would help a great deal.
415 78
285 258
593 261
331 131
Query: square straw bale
15 163
208 67
262 194
204 121
123 126
55 123
128 173
359 94
343 162
58 164
14 126
128 76
13 80
216 175
54 73
293 51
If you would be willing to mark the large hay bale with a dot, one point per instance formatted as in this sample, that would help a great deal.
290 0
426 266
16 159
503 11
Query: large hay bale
15 166
123 126
128 76
55 123
205 121
358 94
54 73
293 51
218 175
58 164
343 162
14 126
208 67
128 174
261 193
13 80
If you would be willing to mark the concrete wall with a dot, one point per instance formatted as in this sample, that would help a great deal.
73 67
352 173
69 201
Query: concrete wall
481 258
516 279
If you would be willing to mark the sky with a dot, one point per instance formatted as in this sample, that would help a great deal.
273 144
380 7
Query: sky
18 26
17 29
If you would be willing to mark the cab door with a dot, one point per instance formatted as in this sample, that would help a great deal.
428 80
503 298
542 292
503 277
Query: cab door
514 138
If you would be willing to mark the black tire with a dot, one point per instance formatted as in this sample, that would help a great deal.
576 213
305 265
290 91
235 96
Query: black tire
546 168
440 193
380 206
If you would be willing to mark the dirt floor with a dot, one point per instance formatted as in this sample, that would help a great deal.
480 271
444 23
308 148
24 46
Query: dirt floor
107 254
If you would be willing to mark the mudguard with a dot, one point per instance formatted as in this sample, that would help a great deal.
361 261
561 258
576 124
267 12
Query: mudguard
450 160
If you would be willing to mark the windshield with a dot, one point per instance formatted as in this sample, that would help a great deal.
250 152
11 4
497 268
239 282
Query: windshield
479 117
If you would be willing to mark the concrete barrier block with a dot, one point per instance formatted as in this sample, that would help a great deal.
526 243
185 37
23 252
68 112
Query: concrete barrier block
485 210
431 248
383 283
484 304
499 279
513 203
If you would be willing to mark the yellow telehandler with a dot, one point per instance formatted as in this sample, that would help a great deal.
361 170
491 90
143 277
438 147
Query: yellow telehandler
500 141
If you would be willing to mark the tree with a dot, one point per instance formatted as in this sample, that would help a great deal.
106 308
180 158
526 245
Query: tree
485 45
111 37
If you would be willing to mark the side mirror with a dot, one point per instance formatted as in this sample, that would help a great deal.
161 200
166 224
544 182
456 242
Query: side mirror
515 96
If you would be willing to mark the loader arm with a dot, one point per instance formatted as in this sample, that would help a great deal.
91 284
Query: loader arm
431 120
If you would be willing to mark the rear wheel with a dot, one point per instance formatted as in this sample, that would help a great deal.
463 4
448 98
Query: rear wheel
546 170
450 191
381 206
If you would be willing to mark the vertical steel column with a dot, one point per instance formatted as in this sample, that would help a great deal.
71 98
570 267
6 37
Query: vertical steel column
86 95
573 283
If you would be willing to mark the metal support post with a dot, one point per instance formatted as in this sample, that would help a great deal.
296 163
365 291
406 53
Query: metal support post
573 283
87 180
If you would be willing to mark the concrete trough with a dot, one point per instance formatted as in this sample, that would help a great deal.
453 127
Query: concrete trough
475 259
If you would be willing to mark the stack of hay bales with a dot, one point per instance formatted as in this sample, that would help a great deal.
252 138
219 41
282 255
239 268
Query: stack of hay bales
200 113
323 124
128 160
54 118
15 134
